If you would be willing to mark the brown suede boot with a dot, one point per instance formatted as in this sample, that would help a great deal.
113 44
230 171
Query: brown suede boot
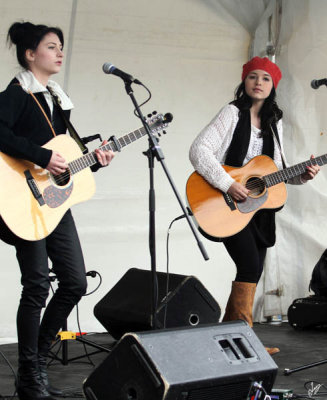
240 304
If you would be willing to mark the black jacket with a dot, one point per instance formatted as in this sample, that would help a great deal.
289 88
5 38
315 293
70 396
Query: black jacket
23 127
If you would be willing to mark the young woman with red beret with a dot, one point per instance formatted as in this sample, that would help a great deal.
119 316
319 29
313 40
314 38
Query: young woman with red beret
240 131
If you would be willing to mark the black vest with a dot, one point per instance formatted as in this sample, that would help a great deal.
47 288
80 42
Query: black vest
263 222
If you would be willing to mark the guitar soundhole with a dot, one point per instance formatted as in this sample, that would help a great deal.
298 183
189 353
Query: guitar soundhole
61 179
256 186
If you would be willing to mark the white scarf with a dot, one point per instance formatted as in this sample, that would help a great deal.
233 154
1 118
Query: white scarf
28 83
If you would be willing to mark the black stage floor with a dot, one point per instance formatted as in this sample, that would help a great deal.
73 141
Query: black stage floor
297 348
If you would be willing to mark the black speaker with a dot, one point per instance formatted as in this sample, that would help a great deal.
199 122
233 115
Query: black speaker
127 306
209 362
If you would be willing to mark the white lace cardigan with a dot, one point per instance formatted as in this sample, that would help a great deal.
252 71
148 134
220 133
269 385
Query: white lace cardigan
209 149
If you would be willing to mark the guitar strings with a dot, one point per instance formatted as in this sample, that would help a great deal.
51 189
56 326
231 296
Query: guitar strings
66 175
255 185
62 177
258 183
137 134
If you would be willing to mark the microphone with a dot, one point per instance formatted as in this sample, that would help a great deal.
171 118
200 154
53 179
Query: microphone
109 68
316 83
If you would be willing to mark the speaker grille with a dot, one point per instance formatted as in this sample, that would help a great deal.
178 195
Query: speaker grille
232 391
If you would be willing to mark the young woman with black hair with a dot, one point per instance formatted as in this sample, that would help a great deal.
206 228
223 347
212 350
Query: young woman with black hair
240 131
24 129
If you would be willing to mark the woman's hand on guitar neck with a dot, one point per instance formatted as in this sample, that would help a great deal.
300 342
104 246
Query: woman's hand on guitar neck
104 156
57 164
238 191
311 172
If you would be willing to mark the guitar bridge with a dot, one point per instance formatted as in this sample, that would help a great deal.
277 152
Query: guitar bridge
33 187
229 201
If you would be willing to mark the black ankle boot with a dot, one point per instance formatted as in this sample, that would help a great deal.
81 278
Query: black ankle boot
45 379
29 385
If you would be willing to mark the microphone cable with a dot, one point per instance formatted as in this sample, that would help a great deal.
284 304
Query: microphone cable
146 101
167 268
94 274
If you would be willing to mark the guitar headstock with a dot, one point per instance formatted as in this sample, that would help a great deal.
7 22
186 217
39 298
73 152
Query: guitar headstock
158 122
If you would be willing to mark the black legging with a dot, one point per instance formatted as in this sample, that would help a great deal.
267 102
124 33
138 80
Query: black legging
63 248
247 253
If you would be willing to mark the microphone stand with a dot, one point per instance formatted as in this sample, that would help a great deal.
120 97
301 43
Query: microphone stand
154 151
64 340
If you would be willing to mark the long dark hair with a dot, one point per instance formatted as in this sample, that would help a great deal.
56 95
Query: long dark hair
269 113
27 36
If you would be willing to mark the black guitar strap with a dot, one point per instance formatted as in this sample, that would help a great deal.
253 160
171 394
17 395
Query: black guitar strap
72 131
276 136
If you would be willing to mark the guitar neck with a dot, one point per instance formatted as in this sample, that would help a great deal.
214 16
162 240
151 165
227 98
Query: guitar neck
288 173
90 159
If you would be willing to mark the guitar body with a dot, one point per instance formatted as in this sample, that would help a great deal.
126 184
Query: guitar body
217 215
19 207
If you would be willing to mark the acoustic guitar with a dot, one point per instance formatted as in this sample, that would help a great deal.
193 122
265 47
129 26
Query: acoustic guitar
219 216
33 201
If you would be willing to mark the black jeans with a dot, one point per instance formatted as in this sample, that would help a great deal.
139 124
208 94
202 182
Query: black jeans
248 254
63 248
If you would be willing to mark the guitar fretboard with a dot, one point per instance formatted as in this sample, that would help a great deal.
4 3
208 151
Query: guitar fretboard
287 173
90 159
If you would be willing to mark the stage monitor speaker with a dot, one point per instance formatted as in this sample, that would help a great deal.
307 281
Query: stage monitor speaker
209 362
127 306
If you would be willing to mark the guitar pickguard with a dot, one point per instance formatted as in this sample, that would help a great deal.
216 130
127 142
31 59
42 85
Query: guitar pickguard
252 204
55 197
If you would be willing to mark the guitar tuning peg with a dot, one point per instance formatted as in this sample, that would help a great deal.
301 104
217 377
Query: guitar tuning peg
149 115
164 132
154 112
159 134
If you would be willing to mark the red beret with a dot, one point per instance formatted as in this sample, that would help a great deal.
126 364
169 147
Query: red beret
264 64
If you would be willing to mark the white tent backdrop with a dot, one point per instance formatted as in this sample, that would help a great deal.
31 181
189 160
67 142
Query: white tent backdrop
189 53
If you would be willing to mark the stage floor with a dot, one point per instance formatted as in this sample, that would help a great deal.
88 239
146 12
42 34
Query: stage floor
297 348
